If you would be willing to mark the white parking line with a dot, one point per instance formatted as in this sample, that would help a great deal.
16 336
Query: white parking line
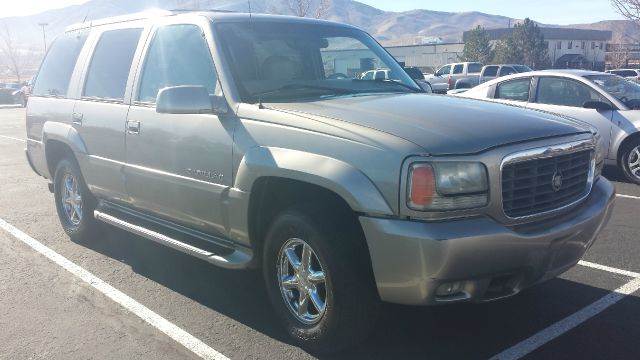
179 335
628 197
12 138
609 269
529 345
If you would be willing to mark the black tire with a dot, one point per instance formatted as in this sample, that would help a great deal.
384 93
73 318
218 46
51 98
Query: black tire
87 227
351 298
627 152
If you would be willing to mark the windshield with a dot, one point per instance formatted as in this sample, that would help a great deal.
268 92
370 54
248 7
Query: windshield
284 62
625 91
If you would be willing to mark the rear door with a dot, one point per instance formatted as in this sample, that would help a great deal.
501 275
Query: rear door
567 96
179 166
100 113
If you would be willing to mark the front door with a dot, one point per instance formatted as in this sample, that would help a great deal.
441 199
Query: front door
178 166
567 97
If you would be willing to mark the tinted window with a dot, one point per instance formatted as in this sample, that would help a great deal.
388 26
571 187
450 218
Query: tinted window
55 72
458 69
491 71
625 73
507 70
565 92
367 76
474 68
178 55
522 68
415 73
111 63
517 90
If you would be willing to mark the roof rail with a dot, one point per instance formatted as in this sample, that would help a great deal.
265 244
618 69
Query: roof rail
118 19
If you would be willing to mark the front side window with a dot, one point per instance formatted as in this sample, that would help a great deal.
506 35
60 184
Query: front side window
110 65
283 62
565 92
516 90
458 69
178 55
55 72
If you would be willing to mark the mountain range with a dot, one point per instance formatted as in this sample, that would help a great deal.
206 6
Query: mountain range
391 28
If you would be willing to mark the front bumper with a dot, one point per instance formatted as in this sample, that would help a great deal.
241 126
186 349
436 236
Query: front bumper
412 259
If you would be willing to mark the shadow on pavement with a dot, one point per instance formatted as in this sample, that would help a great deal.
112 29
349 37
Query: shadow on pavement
467 331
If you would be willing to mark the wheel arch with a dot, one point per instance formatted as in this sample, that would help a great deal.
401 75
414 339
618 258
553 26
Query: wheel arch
634 137
60 140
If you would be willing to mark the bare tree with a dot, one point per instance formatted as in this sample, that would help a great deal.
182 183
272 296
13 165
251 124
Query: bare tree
628 8
15 57
304 8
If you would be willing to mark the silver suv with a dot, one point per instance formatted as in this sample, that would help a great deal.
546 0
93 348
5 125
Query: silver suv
253 142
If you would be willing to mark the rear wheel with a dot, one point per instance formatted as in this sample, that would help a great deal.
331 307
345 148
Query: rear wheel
630 161
317 282
74 202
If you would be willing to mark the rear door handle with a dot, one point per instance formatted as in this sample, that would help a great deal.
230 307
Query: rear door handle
76 118
133 127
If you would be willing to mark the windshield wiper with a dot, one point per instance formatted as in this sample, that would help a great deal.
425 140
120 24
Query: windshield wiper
393 82
288 87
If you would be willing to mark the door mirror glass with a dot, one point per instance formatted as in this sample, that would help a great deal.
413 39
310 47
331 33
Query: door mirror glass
597 105
189 100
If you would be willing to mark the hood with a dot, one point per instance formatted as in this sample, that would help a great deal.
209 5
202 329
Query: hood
442 125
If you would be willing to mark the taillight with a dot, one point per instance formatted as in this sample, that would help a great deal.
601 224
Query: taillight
451 83
422 186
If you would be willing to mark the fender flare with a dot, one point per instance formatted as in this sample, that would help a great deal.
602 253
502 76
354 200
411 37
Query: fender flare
64 133
346 181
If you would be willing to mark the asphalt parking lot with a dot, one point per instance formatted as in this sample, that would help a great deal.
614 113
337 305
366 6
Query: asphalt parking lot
147 301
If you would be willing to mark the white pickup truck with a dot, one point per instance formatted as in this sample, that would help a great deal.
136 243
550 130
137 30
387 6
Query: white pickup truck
447 76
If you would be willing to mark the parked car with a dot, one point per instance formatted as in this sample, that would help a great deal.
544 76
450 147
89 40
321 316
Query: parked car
343 191
490 72
419 78
626 73
447 76
606 101
11 93
387 75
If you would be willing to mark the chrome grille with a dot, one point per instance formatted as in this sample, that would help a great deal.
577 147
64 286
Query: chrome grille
531 187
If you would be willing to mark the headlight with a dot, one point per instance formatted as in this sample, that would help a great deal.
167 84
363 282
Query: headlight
443 186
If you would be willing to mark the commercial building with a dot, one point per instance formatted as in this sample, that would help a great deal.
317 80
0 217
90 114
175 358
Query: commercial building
568 48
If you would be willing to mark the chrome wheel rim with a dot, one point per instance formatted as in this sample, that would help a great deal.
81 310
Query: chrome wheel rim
71 199
634 162
302 282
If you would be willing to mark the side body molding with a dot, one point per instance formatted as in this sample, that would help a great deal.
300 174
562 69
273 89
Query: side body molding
345 180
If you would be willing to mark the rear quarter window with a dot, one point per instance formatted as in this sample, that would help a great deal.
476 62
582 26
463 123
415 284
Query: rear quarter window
474 68
56 69
491 71
458 69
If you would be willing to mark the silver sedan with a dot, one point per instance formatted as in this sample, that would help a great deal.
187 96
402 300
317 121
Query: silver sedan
608 102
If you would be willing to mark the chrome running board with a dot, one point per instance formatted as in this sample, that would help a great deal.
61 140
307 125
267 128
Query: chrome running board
234 259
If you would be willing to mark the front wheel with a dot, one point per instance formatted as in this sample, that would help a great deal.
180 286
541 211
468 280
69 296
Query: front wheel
630 161
318 287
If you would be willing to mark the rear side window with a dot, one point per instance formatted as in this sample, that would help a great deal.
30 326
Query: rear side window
55 72
491 71
178 55
474 68
507 70
516 90
111 63
458 69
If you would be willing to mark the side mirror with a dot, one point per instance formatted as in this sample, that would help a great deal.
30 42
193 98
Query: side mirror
597 105
189 100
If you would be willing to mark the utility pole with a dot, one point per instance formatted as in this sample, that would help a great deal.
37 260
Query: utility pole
44 34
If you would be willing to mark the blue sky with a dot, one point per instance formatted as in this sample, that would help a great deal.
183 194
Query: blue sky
545 11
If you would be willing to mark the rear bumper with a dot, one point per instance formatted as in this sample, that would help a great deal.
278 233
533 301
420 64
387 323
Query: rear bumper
412 259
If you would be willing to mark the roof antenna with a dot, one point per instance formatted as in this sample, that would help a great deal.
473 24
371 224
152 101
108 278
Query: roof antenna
260 105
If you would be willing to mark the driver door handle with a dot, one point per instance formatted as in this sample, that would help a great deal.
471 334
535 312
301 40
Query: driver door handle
133 127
